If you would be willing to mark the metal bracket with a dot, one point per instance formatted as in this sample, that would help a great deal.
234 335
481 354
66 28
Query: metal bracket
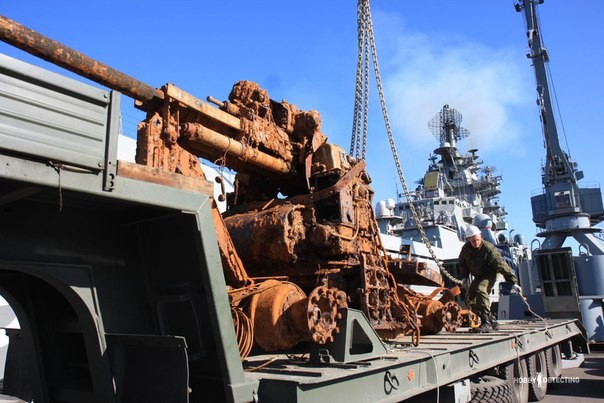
111 141
356 341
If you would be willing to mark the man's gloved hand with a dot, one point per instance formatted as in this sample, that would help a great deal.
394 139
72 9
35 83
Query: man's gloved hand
517 289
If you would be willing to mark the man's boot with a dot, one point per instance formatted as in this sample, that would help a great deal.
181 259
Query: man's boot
493 322
485 325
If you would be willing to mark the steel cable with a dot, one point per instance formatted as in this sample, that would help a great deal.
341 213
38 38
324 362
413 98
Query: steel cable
366 34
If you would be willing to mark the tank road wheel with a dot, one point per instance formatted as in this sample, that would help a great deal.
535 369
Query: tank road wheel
491 389
452 317
553 360
537 370
516 374
322 313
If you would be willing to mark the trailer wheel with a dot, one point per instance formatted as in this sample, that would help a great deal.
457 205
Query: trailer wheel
516 374
553 359
491 389
537 369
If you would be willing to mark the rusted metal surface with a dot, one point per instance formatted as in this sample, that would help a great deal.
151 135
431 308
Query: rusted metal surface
199 137
162 177
449 294
273 310
469 319
282 230
435 314
431 315
327 236
312 205
276 315
411 271
234 271
452 316
259 128
323 313
244 331
212 115
158 147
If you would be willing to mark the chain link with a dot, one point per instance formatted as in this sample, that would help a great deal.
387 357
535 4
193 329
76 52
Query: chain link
358 94
366 24
366 91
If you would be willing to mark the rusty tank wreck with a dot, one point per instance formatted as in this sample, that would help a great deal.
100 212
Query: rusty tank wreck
299 241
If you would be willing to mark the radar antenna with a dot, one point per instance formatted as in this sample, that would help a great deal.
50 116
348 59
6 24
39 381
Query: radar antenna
446 126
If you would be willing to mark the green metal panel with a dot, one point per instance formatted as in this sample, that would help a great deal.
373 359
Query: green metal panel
238 388
50 116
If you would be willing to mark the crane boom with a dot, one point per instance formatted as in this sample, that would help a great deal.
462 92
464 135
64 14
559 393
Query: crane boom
558 166
563 209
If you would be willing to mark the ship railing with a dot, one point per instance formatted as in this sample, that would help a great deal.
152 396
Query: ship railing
584 185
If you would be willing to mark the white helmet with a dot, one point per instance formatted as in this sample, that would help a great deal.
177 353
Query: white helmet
472 230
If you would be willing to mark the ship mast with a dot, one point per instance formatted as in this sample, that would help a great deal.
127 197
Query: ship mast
563 209
445 126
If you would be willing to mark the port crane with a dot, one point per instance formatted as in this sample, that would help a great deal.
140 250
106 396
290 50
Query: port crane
570 284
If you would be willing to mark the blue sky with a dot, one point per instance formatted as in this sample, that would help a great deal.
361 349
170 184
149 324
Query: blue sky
470 55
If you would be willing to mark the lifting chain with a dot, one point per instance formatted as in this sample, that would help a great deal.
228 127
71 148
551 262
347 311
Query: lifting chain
367 46
361 96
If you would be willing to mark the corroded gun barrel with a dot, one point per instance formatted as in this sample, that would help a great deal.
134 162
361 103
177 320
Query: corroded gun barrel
33 42
198 135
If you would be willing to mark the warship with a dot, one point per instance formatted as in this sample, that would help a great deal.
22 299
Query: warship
428 224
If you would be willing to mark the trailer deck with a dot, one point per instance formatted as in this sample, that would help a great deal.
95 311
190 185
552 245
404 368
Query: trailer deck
405 371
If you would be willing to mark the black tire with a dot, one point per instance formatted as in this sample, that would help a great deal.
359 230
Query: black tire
491 389
537 370
516 374
553 359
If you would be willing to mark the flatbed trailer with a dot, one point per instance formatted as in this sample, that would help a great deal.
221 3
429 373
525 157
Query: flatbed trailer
114 273
405 371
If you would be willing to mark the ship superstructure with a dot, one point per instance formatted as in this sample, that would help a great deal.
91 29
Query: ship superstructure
456 190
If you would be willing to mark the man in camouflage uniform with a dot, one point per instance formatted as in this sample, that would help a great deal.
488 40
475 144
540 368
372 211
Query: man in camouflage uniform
484 262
